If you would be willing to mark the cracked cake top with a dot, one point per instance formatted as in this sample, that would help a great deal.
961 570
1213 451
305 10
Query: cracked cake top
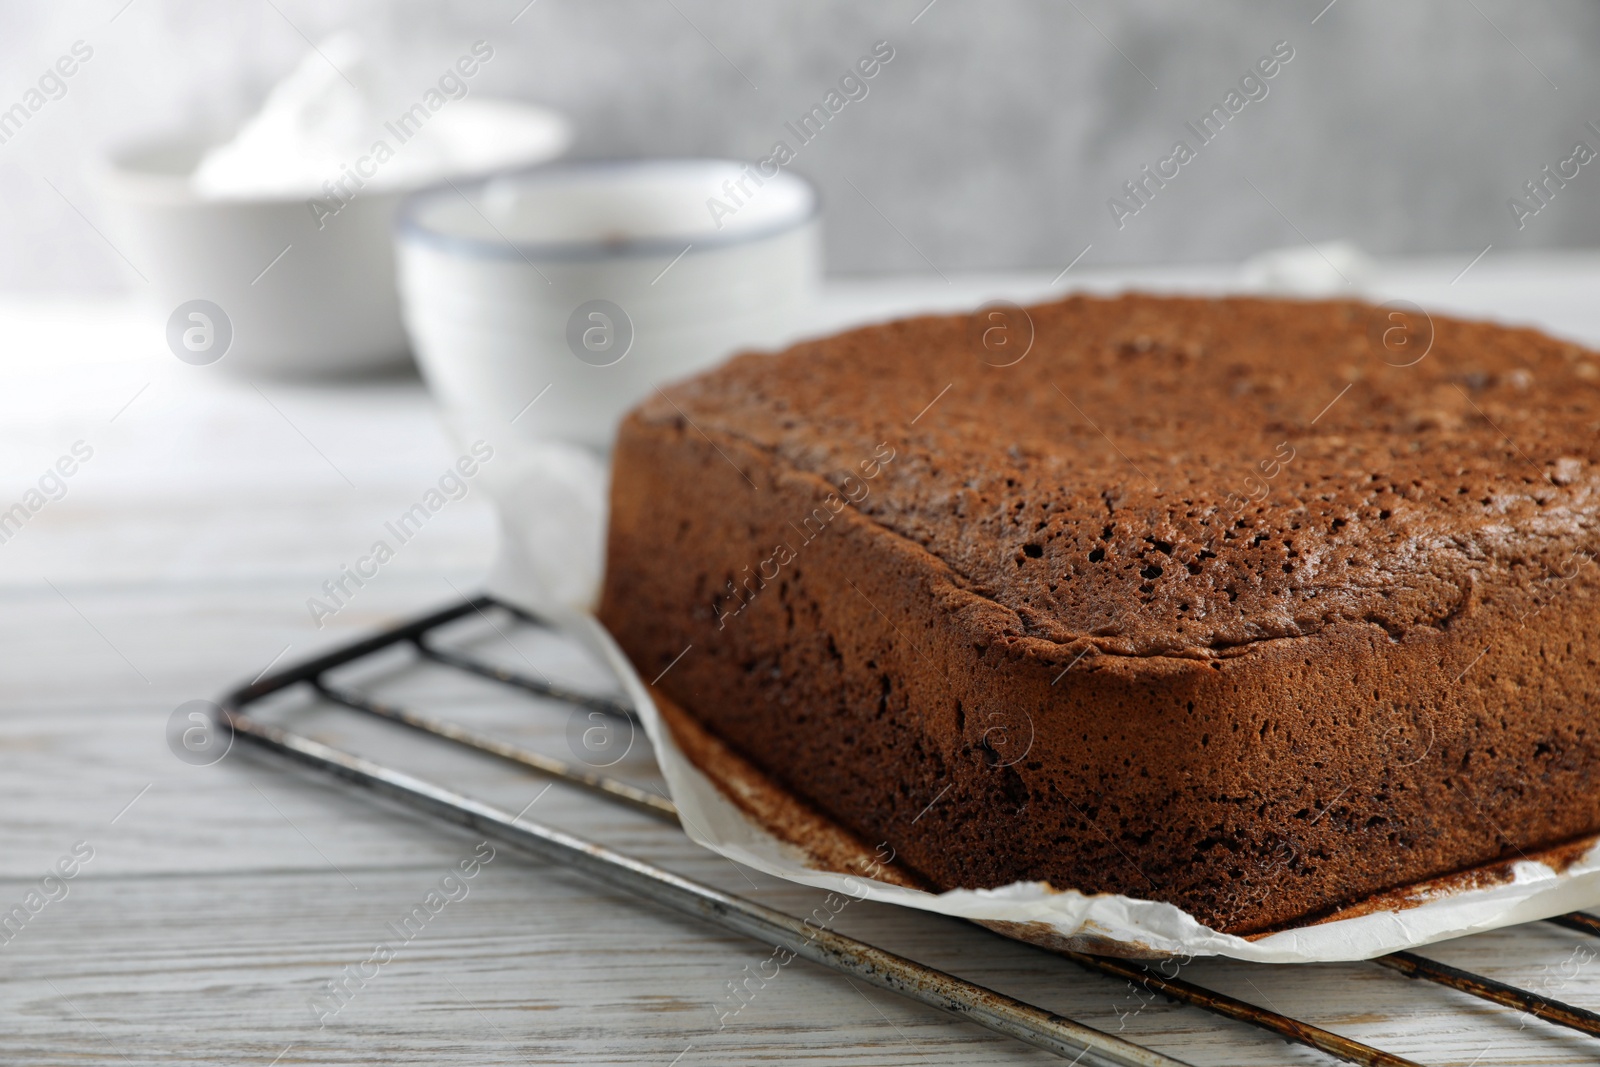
1189 476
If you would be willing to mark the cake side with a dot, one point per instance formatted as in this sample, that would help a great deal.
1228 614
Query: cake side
1249 790
1250 783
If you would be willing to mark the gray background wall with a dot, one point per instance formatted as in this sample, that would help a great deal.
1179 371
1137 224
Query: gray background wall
993 139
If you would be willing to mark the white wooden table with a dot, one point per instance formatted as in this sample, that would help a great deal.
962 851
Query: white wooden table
219 899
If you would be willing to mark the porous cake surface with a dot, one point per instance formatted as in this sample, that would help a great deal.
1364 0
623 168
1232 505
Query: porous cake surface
1254 606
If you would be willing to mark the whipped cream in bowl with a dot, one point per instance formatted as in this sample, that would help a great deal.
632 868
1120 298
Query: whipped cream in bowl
328 130
285 226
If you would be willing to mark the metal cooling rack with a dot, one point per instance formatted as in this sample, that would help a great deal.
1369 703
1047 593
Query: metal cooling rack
1006 1015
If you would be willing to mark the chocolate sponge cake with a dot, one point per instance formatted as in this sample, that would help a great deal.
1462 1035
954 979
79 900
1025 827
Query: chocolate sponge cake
1256 607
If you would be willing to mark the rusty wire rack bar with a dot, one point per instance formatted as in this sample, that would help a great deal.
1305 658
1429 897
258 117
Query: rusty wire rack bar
1006 1015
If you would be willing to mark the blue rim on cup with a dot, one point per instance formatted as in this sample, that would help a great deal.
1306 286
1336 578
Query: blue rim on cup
411 221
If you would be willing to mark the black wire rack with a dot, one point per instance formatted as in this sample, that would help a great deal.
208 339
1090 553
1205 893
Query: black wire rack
1014 1018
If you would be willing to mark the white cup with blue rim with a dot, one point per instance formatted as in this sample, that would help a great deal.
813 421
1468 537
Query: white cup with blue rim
542 305
545 304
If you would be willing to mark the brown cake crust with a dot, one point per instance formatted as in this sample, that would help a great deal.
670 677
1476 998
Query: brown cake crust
1204 600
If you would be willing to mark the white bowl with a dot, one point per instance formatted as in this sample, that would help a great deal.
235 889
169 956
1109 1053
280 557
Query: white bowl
544 305
299 298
